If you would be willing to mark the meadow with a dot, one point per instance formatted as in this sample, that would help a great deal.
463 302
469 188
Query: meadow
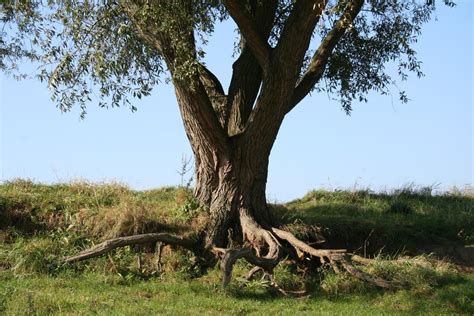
416 237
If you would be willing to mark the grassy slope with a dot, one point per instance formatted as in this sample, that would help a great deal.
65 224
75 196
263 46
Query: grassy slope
40 223
404 221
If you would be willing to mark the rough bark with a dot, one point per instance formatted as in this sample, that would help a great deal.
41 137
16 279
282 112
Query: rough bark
241 184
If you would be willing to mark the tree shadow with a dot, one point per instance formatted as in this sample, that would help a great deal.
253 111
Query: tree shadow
393 230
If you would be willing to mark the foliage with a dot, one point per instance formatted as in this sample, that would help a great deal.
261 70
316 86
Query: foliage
93 51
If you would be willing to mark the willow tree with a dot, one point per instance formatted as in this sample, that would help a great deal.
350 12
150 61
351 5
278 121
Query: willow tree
111 52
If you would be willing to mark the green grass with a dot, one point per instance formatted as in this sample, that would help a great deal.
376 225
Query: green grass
98 294
405 221
41 223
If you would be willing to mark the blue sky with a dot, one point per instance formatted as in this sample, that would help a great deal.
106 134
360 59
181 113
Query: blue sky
383 145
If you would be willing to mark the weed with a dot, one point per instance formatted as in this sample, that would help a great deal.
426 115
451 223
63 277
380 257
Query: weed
187 207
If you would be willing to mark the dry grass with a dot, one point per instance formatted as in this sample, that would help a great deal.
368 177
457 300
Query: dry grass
101 210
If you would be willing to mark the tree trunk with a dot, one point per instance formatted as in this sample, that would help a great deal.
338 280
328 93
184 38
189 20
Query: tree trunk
237 184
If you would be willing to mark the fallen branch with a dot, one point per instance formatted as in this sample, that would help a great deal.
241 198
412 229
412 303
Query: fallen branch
112 244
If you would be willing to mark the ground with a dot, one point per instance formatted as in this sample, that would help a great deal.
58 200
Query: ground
40 224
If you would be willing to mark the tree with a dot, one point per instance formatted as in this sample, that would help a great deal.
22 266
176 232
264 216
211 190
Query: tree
113 51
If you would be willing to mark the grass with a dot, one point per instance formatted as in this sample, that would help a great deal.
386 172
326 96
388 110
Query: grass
95 293
405 220
41 223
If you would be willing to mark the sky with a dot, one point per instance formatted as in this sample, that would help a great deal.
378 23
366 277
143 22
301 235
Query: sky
383 145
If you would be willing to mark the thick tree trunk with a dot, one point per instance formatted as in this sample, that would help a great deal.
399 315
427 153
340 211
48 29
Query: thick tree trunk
237 185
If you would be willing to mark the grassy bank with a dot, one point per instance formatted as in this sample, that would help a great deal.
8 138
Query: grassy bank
41 223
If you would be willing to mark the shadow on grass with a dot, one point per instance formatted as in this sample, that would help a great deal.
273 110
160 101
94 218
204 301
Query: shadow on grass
451 294
394 227
459 294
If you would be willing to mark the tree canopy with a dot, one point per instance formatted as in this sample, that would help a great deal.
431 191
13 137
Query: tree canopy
101 51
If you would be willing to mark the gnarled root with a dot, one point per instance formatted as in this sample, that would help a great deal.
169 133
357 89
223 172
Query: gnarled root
265 250
111 244
249 276
336 258
230 256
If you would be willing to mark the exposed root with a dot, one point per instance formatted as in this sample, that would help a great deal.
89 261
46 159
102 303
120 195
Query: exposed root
274 285
230 256
304 247
263 248
337 257
159 253
264 252
252 273
111 244
362 260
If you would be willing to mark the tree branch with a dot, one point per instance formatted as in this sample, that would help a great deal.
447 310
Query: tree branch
287 59
200 118
319 60
210 82
215 92
296 35
260 47
247 73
